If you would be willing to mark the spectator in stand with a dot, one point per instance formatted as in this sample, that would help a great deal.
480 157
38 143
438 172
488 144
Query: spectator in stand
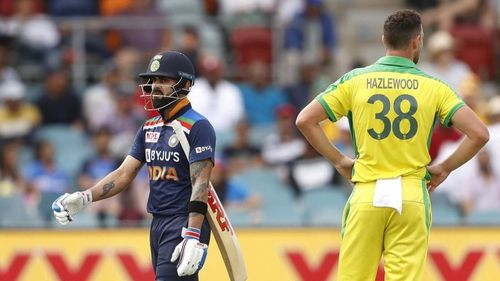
97 166
148 40
287 9
481 191
261 99
11 179
127 118
113 7
310 83
18 118
65 8
45 178
190 45
99 102
442 62
58 103
7 72
37 35
470 90
241 154
310 36
442 136
249 11
493 114
320 173
343 140
133 201
219 100
444 14
285 145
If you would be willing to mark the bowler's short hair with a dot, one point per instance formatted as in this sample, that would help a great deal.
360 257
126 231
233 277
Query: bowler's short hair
401 27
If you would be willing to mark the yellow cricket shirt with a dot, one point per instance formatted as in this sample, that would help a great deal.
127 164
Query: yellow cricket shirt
392 107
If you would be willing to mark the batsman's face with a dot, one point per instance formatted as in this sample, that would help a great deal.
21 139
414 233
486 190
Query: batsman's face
162 86
159 93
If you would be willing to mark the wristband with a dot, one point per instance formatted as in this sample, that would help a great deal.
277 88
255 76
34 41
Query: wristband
198 207
87 197
191 233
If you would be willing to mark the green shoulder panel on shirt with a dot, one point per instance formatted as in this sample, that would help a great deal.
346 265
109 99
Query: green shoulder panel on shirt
447 120
329 89
325 106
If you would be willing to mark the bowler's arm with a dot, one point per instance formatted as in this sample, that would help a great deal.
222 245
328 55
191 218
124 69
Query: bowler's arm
200 179
308 123
476 136
116 181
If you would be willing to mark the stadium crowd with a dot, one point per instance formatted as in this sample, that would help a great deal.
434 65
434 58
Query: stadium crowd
70 105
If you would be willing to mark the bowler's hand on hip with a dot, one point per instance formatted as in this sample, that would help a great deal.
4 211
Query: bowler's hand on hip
344 167
190 252
438 175
68 205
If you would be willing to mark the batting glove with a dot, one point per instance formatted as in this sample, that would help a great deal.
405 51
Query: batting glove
68 205
190 252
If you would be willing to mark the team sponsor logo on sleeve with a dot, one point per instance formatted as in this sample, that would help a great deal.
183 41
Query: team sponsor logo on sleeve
201 149
152 137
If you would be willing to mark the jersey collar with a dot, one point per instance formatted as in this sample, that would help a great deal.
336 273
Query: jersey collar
395 60
179 109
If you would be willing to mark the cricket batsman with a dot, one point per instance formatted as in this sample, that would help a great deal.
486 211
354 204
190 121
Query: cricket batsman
179 232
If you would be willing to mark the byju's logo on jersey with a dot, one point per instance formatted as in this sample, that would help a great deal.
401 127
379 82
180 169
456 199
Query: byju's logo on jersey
201 149
152 137
161 155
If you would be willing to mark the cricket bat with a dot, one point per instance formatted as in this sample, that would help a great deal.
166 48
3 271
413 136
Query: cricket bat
219 222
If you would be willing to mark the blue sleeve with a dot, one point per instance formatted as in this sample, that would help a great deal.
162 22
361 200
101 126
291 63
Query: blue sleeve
202 141
137 149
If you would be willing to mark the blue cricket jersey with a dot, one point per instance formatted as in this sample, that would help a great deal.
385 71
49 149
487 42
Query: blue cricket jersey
156 145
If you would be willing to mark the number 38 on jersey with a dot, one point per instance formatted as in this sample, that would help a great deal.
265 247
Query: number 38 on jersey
403 126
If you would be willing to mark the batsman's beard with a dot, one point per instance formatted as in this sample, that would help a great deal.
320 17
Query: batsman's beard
160 101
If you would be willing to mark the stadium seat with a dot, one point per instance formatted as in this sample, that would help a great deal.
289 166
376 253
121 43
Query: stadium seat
212 39
259 133
485 218
444 212
279 208
251 43
324 206
182 11
475 46
81 220
223 139
14 213
45 205
239 219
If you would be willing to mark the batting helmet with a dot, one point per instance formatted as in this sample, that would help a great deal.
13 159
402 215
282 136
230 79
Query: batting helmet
170 64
